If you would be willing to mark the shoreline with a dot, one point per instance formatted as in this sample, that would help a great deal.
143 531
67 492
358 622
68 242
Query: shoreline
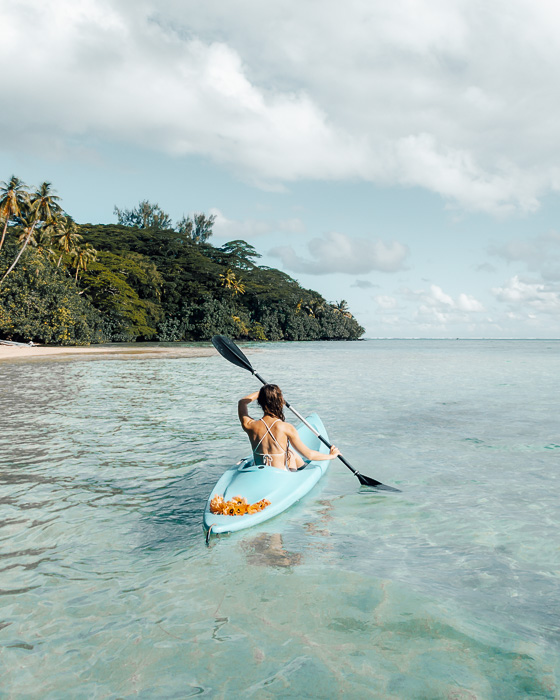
9 353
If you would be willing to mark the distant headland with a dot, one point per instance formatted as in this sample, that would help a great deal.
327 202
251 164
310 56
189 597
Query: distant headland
144 278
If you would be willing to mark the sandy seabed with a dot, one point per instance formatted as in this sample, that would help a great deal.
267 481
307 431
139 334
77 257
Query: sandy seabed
12 352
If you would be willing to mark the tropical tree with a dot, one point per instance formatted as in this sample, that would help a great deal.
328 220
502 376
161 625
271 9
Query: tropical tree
203 227
314 307
42 242
42 207
83 256
341 307
125 289
45 203
198 228
67 237
230 281
39 302
28 223
145 215
12 199
241 253
42 239
185 226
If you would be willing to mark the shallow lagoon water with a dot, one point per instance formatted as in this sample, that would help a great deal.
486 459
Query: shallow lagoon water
449 589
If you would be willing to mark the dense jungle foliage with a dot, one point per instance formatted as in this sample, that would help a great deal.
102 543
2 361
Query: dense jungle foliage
143 279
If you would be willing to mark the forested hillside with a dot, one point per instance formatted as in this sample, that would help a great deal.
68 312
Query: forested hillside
143 278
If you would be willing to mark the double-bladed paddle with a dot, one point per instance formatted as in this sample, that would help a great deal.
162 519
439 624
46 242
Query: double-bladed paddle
228 349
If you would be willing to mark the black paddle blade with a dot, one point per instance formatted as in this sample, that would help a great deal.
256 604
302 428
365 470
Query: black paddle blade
228 349
373 483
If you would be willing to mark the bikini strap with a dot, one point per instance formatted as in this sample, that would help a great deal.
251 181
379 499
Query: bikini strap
269 432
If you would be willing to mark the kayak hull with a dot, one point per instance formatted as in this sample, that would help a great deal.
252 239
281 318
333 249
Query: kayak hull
281 488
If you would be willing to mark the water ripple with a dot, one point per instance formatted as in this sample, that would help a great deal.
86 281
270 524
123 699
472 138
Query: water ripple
445 590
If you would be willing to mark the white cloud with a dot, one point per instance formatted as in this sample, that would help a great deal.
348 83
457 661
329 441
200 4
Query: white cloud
436 308
251 228
466 302
337 252
423 93
525 308
456 175
386 303
529 297
437 297
120 76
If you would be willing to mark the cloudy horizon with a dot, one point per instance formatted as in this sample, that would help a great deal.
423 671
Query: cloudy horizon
403 157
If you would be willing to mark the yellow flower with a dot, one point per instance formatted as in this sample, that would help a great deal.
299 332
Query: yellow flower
237 505
217 504
228 509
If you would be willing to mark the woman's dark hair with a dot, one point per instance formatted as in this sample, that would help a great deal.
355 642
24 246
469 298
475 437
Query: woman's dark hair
271 401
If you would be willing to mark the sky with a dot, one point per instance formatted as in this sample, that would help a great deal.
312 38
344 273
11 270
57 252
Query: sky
403 156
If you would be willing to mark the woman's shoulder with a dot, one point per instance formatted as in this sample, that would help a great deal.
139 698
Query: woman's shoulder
248 423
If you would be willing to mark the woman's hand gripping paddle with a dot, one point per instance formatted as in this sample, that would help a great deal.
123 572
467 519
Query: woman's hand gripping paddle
228 349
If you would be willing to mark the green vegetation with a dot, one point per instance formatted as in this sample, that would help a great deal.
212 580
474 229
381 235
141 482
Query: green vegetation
143 279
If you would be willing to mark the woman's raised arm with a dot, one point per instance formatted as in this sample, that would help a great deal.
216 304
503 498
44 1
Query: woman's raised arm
243 408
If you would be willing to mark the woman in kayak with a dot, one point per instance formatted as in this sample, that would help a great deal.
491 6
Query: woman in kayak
271 437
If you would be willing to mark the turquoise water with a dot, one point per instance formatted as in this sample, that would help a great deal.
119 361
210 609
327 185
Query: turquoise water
449 589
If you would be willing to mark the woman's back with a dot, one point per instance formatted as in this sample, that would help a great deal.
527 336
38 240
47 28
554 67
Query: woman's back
269 442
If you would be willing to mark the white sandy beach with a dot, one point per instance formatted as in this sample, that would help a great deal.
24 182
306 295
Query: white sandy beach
12 352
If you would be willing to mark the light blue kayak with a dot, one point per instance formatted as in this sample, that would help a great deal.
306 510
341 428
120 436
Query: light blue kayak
281 488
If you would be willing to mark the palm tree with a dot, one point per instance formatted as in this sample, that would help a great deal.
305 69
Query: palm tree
341 307
12 198
230 281
45 203
42 241
83 256
43 206
68 237
28 222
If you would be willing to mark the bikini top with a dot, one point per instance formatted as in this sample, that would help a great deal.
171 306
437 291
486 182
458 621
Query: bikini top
267 457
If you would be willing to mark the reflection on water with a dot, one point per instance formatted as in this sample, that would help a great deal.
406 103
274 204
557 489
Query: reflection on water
268 550
447 590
